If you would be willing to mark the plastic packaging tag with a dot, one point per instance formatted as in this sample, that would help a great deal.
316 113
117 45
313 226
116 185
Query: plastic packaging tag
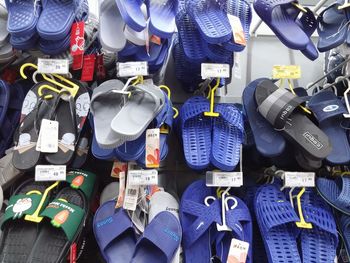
130 198
48 137
143 177
118 167
87 73
100 67
152 148
238 251
224 179
286 72
299 179
214 70
130 69
237 29
77 44
53 66
50 173
73 253
121 195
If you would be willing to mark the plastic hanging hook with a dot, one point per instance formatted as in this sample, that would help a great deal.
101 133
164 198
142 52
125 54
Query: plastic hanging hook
299 6
211 113
302 223
345 5
169 96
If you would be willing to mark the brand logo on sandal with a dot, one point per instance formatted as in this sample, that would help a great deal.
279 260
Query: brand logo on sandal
330 108
172 234
313 140
285 112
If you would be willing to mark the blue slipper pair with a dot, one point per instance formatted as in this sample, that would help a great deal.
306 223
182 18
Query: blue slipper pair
211 140
199 219
277 222
161 16
294 31
119 242
11 99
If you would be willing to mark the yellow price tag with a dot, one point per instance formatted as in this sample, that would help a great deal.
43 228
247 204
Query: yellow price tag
286 72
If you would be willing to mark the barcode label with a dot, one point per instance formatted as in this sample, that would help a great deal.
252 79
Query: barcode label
50 173
53 66
134 68
130 198
299 179
224 179
48 137
143 177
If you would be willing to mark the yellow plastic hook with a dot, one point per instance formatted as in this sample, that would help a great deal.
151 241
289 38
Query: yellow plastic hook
300 7
167 89
302 223
211 113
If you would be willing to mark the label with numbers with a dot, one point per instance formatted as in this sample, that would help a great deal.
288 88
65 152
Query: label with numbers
238 251
130 198
48 137
50 173
130 69
53 66
143 177
214 70
299 179
286 72
224 179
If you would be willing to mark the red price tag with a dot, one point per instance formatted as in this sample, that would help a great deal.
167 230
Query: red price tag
77 44
87 73
100 67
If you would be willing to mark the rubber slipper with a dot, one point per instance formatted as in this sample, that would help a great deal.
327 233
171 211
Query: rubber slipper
144 103
239 220
160 241
129 50
134 37
277 16
162 57
22 17
64 219
318 244
343 226
106 103
211 20
132 14
115 233
34 109
111 24
276 218
228 133
3 25
6 53
57 17
71 114
150 56
110 192
268 141
332 28
284 116
54 47
242 10
162 17
82 150
197 220
24 42
195 130
335 192
329 111
8 173
190 38
216 53
18 236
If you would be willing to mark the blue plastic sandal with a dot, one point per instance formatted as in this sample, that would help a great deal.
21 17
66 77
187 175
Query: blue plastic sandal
162 17
336 192
276 218
54 47
211 20
196 132
276 14
329 111
228 133
344 228
132 14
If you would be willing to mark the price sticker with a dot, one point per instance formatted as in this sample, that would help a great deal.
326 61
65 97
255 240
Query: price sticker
224 179
130 69
48 137
238 251
299 179
143 177
53 66
50 173
286 72
213 70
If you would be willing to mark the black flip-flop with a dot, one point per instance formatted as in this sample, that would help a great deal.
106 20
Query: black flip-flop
281 108
34 109
19 235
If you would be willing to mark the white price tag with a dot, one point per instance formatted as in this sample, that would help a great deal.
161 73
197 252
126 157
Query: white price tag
48 137
143 177
238 251
213 70
299 179
50 173
53 66
130 69
130 198
224 179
